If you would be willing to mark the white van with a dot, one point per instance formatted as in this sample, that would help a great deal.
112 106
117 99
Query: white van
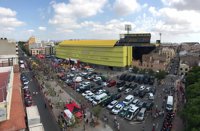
170 103
141 114
99 98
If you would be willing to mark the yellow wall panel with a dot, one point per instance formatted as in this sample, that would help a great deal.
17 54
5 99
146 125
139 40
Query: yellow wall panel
116 56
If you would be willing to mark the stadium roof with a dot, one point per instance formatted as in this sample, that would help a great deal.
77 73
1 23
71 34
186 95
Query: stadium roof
89 43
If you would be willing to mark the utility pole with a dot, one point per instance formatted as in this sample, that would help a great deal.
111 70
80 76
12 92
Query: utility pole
160 36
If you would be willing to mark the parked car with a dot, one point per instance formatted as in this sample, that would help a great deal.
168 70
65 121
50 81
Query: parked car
150 96
142 94
141 114
142 87
142 104
128 99
122 113
85 93
116 96
153 90
122 76
128 90
132 112
136 92
111 83
95 89
134 86
112 104
28 102
127 77
149 105
131 78
121 83
120 89
136 101
106 102
118 108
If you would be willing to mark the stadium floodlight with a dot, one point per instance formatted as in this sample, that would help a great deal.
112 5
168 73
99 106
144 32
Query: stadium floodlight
160 36
128 28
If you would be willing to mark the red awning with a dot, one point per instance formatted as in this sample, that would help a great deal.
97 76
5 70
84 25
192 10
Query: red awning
78 114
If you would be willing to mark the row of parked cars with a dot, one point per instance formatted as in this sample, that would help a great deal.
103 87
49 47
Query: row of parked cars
138 78
27 94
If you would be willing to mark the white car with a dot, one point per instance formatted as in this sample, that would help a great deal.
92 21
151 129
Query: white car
151 96
136 101
118 108
86 92
25 87
91 98
25 82
97 79
148 89
128 90
89 95
142 88
128 99
112 104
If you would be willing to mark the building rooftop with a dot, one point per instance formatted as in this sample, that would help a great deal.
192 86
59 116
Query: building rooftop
17 113
4 77
7 48
89 43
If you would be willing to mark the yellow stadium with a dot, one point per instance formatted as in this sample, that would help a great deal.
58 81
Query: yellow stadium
99 52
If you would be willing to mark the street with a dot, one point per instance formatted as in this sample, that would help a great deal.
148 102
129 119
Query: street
46 116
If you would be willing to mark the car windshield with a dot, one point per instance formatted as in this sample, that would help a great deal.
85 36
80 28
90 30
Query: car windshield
126 100
169 106
117 107
140 114
129 114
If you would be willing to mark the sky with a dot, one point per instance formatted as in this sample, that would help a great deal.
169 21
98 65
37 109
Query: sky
176 20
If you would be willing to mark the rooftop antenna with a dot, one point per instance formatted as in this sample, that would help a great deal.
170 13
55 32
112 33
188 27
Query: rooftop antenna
128 28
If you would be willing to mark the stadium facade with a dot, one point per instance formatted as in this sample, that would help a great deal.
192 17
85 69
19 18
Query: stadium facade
111 53
100 52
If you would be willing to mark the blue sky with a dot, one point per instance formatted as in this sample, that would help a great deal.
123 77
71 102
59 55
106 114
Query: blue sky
177 20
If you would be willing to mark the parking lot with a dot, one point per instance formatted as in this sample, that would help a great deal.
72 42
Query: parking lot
142 91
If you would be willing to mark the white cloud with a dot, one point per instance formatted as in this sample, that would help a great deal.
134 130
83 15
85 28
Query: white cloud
79 8
67 14
113 26
30 30
183 4
8 21
7 12
42 28
176 21
125 7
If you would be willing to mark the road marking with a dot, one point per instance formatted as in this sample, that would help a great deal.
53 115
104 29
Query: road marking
135 122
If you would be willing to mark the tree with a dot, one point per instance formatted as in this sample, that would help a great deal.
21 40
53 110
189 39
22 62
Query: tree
191 112
135 69
160 75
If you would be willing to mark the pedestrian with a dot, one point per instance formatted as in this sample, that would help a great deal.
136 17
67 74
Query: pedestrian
45 106
118 127
86 120
115 119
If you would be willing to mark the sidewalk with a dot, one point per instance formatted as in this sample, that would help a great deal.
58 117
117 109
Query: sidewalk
58 101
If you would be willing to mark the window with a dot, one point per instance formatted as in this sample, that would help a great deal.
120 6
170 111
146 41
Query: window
186 69
181 69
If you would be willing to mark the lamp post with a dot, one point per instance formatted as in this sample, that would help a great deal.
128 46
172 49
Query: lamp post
83 108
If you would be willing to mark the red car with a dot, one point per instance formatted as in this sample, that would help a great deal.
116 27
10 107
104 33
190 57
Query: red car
111 83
